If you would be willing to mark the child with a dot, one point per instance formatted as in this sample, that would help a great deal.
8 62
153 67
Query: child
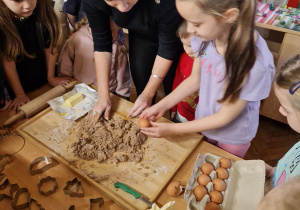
233 72
283 197
30 35
286 86
77 59
185 110
74 11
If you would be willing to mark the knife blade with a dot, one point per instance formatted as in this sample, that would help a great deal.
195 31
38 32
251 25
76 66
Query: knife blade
134 193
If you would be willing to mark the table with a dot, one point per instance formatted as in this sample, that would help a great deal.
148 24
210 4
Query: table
18 172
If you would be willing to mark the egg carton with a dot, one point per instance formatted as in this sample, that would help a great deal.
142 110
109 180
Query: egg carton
244 186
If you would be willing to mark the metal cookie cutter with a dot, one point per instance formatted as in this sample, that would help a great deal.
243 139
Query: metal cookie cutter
13 189
72 207
99 201
5 160
46 179
74 188
50 162
36 203
14 203
12 134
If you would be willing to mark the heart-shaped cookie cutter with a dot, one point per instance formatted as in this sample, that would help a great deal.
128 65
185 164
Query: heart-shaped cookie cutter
15 204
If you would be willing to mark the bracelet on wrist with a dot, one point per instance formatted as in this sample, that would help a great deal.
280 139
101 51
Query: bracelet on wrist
156 76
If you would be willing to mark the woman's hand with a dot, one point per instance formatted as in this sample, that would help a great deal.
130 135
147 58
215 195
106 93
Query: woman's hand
158 130
18 102
103 105
153 113
54 81
142 102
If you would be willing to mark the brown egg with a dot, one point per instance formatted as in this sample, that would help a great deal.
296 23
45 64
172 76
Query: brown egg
203 179
207 168
222 173
200 191
219 184
212 206
224 162
216 196
175 189
144 123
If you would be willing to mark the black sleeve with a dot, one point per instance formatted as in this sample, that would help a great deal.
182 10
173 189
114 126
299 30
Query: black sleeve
72 7
168 26
97 14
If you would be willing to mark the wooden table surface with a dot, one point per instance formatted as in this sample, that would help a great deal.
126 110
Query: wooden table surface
18 172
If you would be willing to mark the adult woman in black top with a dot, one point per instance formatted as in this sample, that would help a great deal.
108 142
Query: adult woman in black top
153 46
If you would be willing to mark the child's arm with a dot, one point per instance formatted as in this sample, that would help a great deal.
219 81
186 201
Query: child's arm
177 81
121 67
187 87
50 65
13 79
227 113
66 60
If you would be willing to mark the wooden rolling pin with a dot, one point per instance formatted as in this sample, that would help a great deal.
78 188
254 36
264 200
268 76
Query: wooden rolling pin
39 103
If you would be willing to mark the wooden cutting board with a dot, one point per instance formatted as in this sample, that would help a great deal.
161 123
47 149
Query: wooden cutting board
163 157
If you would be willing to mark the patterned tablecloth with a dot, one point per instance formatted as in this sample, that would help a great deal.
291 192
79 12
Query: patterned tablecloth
284 19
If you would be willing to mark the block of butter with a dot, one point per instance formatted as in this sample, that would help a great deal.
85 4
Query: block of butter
73 100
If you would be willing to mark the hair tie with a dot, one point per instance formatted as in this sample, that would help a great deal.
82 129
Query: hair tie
291 90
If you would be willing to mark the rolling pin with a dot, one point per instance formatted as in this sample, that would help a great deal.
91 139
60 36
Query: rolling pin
40 102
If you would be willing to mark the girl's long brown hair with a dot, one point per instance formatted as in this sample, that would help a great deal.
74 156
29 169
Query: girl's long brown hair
240 54
11 44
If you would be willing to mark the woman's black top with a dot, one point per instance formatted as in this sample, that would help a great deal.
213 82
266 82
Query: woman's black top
158 22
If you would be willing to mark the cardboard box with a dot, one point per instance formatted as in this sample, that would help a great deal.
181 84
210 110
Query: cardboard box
244 186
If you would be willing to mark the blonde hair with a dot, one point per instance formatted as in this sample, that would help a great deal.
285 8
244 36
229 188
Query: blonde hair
287 76
240 54
182 32
11 43
84 21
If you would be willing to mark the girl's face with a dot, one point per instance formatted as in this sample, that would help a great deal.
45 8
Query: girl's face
121 5
22 8
186 42
203 25
292 115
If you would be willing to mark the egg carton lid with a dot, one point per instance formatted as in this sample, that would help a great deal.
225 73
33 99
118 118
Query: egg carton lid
244 187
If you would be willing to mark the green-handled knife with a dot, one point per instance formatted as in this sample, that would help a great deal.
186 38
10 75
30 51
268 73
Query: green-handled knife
134 193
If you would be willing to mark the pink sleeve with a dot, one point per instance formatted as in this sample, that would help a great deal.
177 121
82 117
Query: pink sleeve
123 73
66 60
